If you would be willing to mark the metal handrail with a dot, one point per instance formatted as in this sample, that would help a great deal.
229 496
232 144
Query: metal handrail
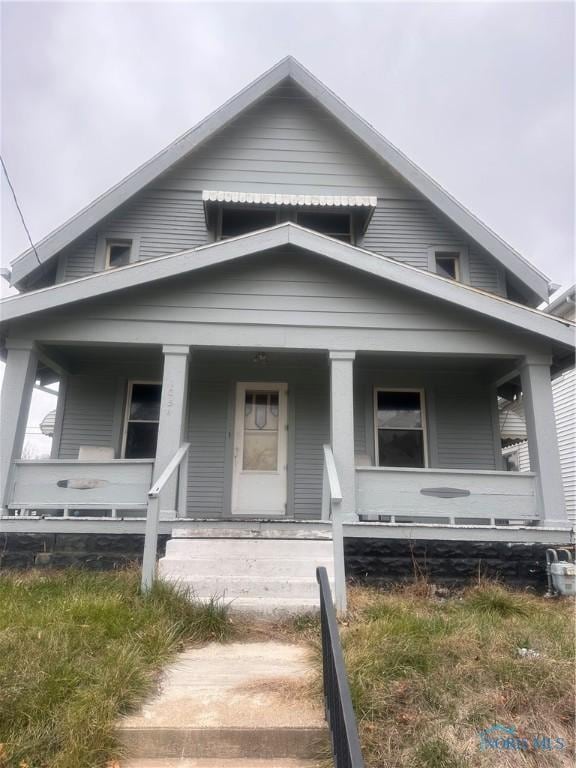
153 514
337 699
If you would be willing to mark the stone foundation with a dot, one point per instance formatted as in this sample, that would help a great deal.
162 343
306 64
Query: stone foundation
385 561
99 552
376 561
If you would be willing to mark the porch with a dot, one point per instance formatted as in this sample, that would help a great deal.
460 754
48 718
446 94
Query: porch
332 434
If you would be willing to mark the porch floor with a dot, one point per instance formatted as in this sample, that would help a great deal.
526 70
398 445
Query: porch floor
256 528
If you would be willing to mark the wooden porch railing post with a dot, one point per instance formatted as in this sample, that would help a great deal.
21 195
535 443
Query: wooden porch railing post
153 516
150 544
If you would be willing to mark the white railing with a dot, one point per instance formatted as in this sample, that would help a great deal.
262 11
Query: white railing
153 514
59 484
452 496
331 500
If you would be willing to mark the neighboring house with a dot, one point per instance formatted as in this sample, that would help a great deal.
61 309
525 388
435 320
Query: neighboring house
279 279
513 425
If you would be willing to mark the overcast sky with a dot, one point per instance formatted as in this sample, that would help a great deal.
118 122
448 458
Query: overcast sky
481 95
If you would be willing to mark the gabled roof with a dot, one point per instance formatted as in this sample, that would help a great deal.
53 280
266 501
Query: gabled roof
286 68
224 251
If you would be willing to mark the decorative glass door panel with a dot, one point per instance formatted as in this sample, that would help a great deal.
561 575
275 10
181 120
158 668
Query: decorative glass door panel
260 450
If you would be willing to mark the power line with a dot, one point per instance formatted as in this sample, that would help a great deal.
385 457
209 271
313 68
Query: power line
19 209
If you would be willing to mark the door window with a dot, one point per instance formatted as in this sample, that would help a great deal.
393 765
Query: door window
260 448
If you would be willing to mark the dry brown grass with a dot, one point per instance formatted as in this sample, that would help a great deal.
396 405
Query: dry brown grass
427 674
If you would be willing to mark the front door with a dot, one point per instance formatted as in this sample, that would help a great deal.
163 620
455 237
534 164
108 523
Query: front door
260 449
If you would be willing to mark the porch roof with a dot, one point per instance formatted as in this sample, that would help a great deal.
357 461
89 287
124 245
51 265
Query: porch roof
552 328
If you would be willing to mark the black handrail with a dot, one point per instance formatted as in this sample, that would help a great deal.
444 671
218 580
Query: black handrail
337 700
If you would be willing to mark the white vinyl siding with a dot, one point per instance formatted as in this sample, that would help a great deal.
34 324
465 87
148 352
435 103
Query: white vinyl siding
564 393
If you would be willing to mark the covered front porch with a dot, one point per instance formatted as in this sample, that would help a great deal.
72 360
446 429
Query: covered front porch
375 438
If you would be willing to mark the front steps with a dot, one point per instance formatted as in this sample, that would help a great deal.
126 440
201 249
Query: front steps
240 705
264 569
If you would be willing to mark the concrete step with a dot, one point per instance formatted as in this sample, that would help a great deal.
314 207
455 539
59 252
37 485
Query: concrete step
228 743
251 529
246 566
220 763
190 548
210 585
231 702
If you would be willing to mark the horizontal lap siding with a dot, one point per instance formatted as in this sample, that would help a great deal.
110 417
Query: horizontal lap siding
312 427
79 258
564 392
166 222
285 287
207 427
287 143
407 229
464 428
88 414
459 423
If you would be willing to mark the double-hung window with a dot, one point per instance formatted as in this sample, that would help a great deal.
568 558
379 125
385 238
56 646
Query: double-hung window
141 420
400 428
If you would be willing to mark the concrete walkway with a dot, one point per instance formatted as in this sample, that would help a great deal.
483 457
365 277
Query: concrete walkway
243 704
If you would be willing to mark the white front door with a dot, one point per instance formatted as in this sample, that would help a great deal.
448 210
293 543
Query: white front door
260 449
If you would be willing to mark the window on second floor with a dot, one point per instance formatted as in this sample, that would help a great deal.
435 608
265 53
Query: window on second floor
336 224
233 221
118 253
240 221
447 264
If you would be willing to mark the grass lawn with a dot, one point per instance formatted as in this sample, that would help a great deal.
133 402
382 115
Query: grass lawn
427 674
76 650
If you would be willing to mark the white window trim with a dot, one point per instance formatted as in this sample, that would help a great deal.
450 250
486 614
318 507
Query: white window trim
126 419
423 429
101 258
461 251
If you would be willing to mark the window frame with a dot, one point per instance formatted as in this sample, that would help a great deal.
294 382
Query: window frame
127 419
330 211
424 429
101 260
463 262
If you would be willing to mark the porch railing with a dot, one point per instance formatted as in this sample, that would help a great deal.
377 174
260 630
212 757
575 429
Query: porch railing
331 499
57 484
452 496
337 700
176 464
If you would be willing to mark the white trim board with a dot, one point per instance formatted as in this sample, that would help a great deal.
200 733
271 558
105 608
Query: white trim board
144 272
288 67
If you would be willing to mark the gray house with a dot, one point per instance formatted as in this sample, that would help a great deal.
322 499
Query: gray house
308 330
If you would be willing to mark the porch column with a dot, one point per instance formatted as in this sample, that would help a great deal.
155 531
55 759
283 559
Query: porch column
19 378
543 440
172 416
342 428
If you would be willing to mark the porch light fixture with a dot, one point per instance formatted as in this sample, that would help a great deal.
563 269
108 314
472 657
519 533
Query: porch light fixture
260 358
